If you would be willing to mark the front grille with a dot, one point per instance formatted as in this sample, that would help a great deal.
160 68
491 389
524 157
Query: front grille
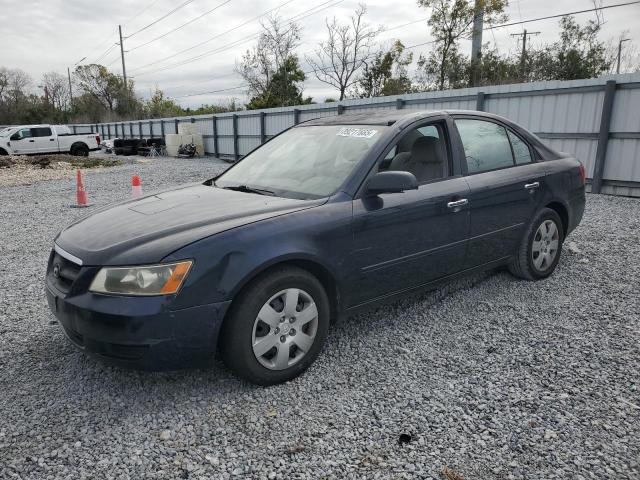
62 272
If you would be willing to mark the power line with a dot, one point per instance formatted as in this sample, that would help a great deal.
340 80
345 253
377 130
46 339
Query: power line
179 27
216 36
140 12
562 15
105 53
182 5
501 25
433 41
300 16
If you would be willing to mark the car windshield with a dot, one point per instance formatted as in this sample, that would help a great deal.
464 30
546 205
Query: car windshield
303 162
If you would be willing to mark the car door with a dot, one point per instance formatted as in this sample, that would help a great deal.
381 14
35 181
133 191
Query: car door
44 139
506 186
403 240
22 142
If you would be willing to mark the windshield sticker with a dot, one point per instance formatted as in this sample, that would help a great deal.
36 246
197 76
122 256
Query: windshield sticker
356 132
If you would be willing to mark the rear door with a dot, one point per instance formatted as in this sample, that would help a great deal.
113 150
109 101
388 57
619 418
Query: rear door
45 140
506 187
402 240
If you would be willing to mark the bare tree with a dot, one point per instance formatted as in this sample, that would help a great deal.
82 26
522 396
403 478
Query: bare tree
345 52
56 90
275 48
14 84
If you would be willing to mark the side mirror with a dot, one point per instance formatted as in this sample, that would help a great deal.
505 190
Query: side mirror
391 182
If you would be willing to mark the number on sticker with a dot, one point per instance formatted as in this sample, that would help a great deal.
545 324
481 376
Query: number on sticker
356 132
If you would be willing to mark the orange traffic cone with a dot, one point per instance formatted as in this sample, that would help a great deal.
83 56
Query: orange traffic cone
81 193
136 186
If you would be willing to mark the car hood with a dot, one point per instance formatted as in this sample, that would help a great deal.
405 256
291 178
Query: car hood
148 229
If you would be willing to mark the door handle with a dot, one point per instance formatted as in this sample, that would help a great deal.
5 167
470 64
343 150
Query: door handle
52 139
458 203
31 141
531 186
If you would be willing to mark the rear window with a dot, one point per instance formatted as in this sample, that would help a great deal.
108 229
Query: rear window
486 145
41 132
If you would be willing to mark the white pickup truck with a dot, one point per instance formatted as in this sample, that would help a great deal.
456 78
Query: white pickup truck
39 139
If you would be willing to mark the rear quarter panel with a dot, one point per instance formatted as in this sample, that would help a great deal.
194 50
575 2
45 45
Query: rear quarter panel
565 186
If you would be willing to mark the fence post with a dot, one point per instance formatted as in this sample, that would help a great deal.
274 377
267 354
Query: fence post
214 122
177 122
480 101
131 129
140 129
151 128
236 155
263 127
162 128
193 120
603 135
74 129
296 116
399 103
340 109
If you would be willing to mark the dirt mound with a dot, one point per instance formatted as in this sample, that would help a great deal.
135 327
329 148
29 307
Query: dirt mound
24 170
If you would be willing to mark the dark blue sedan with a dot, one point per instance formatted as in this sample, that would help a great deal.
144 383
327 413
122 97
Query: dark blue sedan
331 216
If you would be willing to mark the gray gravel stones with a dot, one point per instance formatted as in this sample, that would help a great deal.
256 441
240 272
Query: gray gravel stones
492 377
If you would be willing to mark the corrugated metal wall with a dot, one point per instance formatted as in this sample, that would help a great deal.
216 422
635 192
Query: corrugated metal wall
566 114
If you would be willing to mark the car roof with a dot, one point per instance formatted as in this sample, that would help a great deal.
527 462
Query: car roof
389 117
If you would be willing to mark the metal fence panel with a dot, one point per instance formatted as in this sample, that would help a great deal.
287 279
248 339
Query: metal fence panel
566 114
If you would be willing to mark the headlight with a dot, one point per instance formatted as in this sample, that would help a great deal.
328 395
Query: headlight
145 280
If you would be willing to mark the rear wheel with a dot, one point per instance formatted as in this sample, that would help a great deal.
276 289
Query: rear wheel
540 249
80 150
276 327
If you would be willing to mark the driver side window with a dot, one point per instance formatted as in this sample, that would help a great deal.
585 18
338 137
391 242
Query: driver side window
422 151
20 134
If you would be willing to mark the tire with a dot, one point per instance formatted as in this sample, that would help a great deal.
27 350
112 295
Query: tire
118 151
3 152
287 352
117 143
80 150
530 262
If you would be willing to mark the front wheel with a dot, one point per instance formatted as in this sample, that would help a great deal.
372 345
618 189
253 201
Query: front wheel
276 327
539 252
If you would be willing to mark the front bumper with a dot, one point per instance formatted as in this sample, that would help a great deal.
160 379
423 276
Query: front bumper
139 332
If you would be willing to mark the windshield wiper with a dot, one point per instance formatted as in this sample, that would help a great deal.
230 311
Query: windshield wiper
245 188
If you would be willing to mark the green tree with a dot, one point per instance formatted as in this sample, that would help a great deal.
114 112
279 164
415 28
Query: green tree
272 65
578 54
386 74
450 21
159 106
283 88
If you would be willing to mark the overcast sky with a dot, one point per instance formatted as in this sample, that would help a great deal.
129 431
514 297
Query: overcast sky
51 35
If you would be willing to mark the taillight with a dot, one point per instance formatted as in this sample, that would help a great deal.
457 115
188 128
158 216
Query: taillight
98 139
583 174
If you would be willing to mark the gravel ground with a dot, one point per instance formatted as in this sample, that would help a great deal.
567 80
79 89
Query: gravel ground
491 377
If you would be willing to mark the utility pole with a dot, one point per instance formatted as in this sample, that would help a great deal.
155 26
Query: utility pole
69 75
620 52
124 70
476 44
70 90
523 55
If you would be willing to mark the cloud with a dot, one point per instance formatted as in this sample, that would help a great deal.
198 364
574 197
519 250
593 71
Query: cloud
51 35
